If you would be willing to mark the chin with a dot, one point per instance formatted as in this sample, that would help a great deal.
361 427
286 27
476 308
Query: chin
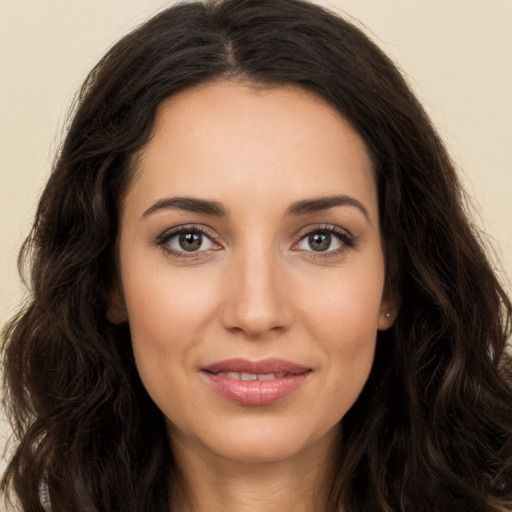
253 441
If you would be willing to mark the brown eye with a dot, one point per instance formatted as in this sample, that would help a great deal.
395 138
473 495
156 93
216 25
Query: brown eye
190 241
329 241
186 241
320 241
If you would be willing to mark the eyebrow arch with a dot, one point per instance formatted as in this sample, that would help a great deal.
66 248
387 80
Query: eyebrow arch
325 203
189 204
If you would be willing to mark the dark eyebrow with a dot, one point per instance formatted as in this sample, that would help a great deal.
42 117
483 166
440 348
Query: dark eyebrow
189 204
324 203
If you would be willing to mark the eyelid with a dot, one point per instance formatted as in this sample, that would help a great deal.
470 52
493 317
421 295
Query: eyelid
348 241
163 239
330 228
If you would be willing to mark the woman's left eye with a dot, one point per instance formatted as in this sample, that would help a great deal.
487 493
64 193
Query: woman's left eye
324 240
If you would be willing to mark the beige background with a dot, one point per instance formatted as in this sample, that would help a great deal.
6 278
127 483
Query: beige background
457 54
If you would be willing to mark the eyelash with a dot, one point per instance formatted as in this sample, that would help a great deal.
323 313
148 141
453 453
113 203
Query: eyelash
164 238
346 240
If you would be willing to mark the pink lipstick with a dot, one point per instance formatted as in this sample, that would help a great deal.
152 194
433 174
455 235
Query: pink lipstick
255 382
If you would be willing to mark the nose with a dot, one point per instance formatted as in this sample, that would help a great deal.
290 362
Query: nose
257 300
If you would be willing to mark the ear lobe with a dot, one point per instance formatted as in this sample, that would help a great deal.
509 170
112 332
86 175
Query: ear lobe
389 309
116 312
385 321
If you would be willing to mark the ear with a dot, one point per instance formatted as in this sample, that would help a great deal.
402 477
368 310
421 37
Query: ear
389 308
116 312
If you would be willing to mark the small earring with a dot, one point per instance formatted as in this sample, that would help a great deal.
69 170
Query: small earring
388 315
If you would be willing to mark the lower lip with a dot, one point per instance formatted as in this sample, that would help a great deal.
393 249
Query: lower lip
256 392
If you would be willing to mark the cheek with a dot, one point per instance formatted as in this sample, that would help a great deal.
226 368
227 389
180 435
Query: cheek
343 321
161 298
167 311
344 309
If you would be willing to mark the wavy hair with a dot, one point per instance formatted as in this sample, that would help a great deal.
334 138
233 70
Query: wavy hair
432 429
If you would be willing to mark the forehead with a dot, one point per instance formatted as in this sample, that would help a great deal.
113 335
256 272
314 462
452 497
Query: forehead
230 139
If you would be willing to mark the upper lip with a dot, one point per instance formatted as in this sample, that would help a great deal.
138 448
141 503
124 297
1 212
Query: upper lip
263 366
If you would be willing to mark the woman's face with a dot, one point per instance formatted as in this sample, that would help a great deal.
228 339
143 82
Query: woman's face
252 270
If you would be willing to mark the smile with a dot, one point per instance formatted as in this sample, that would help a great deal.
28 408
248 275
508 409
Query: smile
255 382
251 376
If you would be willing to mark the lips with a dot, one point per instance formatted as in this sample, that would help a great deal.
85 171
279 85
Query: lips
255 382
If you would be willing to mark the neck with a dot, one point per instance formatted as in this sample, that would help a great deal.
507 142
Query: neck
209 483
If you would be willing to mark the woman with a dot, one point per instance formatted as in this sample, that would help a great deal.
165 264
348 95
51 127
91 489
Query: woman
255 286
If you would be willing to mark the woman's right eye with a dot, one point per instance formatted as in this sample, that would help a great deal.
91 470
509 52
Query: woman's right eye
186 242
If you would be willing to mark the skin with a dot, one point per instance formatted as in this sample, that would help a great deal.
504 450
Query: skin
255 288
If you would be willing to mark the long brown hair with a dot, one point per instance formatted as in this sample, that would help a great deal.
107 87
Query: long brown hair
432 429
